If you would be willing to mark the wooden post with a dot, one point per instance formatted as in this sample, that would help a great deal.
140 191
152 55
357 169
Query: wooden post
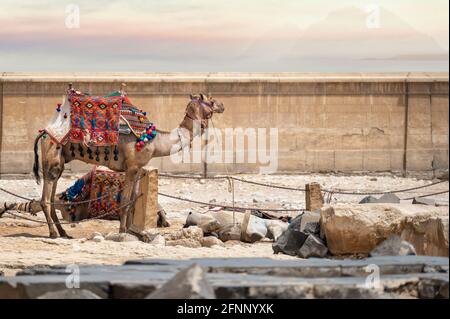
146 208
313 196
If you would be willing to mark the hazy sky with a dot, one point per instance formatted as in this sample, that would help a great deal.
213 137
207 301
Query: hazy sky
231 35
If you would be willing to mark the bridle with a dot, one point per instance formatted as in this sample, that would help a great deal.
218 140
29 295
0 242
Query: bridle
205 115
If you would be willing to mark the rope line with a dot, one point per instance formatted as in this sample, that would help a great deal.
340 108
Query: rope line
65 203
334 191
232 207
426 195
108 212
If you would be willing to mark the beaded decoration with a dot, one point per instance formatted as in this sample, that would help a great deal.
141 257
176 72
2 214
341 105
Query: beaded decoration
147 136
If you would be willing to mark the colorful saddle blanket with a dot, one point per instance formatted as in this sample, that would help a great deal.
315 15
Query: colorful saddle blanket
98 121
101 184
134 119
95 120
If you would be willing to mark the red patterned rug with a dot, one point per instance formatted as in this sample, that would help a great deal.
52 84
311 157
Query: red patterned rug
94 119
106 186
101 185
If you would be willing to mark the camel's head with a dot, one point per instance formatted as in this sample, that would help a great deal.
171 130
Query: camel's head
202 107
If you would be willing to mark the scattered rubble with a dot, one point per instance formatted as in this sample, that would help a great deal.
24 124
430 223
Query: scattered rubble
245 227
393 246
302 238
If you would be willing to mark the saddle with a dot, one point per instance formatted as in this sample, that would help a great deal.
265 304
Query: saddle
97 121
94 120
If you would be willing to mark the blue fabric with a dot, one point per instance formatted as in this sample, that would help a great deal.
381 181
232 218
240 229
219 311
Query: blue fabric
75 190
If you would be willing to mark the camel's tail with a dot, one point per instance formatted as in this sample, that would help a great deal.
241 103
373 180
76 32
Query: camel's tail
36 158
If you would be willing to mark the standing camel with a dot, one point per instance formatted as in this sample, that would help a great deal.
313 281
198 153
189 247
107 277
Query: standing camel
54 155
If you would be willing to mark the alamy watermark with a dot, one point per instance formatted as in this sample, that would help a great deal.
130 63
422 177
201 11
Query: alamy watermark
72 20
372 281
373 16
73 279
226 146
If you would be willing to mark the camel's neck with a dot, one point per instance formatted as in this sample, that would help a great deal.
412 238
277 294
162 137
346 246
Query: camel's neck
167 143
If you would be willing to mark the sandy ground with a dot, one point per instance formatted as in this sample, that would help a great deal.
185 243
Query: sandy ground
25 243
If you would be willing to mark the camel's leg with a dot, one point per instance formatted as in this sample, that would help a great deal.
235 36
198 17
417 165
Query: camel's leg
54 216
46 206
130 177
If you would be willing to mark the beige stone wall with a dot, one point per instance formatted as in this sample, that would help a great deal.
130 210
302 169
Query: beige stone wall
340 122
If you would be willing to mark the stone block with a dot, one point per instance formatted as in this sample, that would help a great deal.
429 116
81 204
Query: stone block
313 247
190 283
145 214
313 197
393 246
355 228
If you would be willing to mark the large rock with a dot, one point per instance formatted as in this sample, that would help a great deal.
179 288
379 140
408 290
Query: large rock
393 246
190 283
355 228
309 220
291 240
313 247
428 234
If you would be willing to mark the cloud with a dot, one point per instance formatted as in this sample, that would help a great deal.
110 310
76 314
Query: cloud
209 35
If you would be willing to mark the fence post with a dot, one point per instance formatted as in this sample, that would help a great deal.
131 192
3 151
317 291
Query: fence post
313 196
146 208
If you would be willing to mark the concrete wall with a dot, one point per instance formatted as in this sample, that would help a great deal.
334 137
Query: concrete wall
326 122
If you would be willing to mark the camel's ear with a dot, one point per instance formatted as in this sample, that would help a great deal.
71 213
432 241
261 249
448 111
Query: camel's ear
203 97
191 96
